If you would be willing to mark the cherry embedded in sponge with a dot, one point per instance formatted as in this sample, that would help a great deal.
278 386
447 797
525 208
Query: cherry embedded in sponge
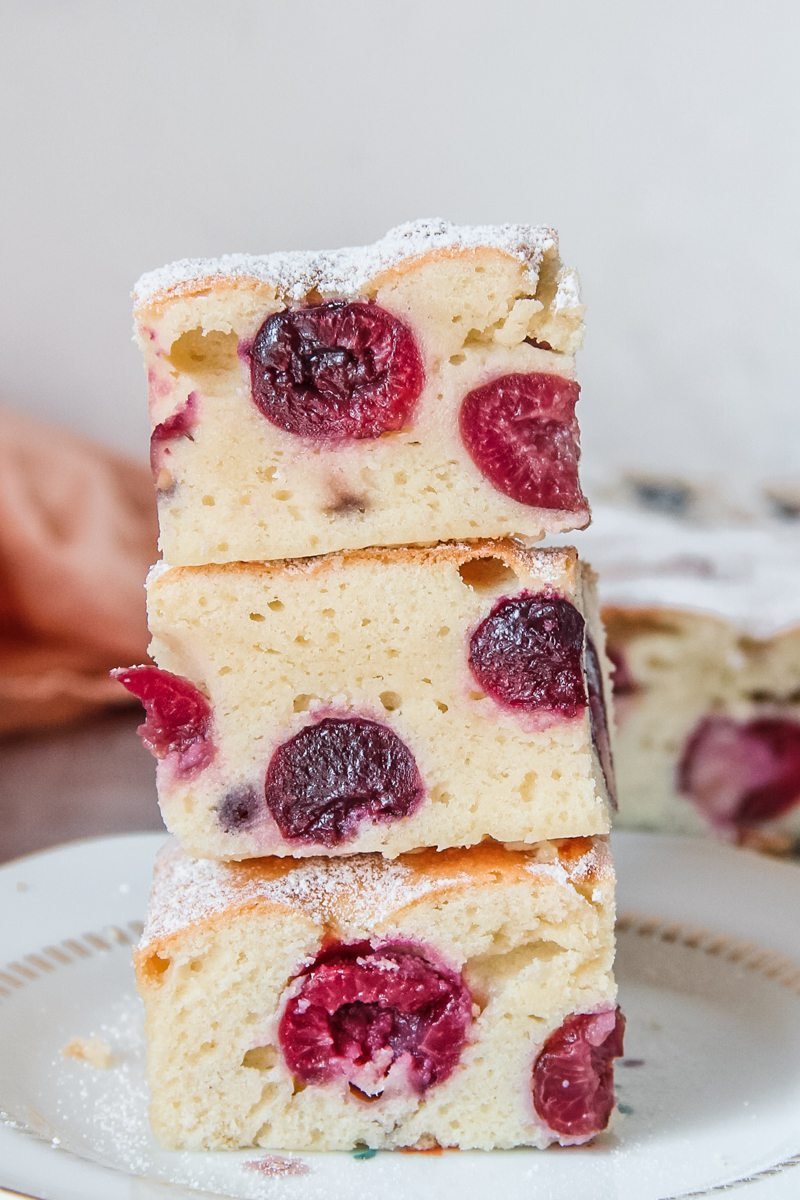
598 715
573 1076
742 773
177 725
180 424
362 1011
332 775
528 654
336 371
240 810
522 435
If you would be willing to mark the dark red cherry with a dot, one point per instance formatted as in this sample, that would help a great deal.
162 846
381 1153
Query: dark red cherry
528 654
362 1010
336 371
573 1077
333 775
178 717
521 433
180 425
742 773
598 714
240 810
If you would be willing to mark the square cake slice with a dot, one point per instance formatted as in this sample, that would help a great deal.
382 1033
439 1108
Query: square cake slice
703 625
416 390
459 999
709 726
378 700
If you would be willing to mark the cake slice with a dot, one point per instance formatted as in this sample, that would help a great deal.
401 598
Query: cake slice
458 999
703 625
377 700
416 390
709 726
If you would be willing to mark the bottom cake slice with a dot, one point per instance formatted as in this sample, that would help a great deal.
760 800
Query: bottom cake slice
463 998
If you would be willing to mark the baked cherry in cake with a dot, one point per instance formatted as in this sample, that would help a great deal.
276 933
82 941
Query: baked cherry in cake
573 1076
179 425
363 1012
333 775
528 654
598 712
178 717
521 433
335 371
240 810
742 773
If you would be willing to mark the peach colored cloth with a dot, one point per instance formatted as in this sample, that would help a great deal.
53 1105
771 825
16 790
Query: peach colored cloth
77 534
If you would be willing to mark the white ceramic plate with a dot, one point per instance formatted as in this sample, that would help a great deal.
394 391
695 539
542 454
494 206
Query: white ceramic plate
709 1094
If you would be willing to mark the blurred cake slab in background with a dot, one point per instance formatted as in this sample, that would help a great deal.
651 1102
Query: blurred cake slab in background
701 598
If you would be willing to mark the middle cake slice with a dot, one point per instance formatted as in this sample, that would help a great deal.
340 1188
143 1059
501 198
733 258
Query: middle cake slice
378 700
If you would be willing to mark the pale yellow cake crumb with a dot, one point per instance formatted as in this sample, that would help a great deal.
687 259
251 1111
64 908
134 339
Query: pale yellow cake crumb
93 1051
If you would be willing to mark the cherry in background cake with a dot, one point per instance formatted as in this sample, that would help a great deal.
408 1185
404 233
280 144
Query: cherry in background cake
703 627
378 700
462 999
420 389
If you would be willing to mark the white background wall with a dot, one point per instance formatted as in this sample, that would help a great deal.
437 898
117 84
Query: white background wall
662 139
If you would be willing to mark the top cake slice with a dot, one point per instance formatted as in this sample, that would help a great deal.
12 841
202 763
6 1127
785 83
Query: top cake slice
420 389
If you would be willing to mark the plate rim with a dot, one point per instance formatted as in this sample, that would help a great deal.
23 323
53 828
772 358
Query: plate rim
665 845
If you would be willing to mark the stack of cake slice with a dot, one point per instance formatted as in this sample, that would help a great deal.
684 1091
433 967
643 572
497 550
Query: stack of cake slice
380 716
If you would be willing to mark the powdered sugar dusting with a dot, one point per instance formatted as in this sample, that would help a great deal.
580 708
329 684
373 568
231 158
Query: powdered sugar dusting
575 861
748 575
346 272
552 568
595 864
568 291
363 888
156 571
102 1116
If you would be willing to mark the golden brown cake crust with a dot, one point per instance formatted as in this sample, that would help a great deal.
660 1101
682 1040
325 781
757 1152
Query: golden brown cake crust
351 271
220 283
202 894
560 562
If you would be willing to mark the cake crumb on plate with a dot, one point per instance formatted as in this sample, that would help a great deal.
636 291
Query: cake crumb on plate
93 1051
